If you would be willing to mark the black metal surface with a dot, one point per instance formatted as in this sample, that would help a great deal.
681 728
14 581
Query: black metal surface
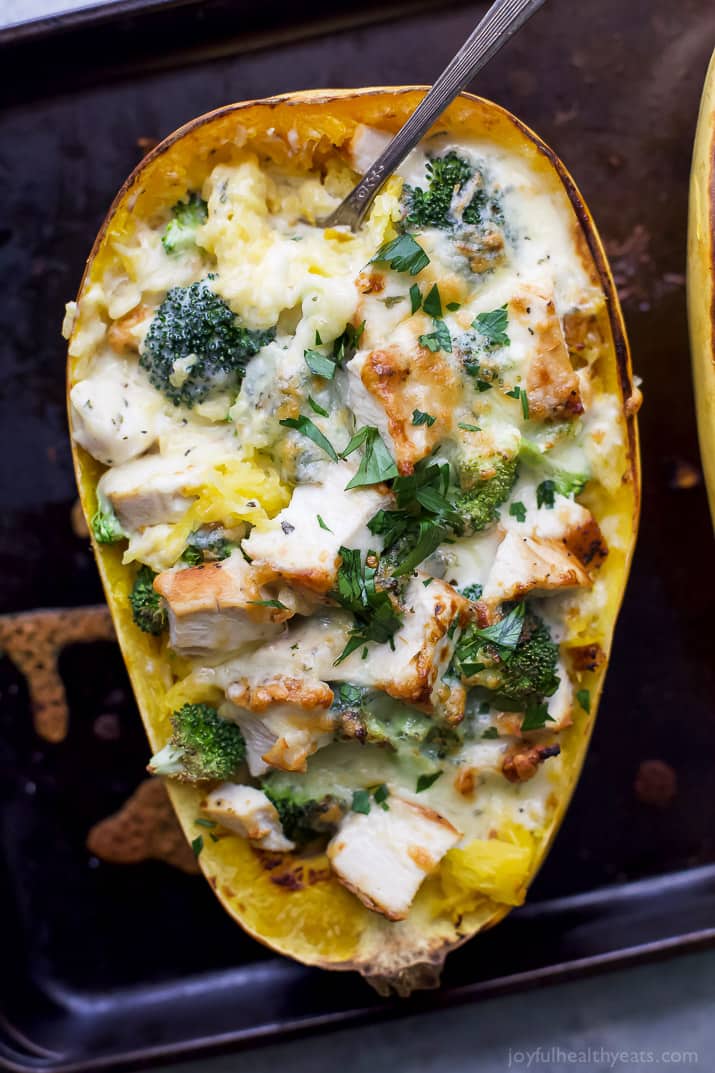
110 965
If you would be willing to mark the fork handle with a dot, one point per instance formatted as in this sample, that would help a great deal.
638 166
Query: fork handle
503 19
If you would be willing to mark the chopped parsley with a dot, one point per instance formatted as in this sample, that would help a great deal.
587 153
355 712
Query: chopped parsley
375 617
519 393
322 524
506 633
439 339
545 494
377 464
493 326
518 511
415 297
316 408
381 795
419 417
268 603
197 844
319 364
536 717
583 696
432 304
468 428
425 781
201 822
309 429
403 254
361 802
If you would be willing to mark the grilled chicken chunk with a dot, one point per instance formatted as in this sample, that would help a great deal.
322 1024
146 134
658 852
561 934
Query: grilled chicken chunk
551 384
384 856
411 669
116 414
249 813
283 736
218 606
296 547
387 385
530 565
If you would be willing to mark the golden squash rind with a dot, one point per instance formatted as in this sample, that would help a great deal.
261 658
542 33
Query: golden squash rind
298 908
701 278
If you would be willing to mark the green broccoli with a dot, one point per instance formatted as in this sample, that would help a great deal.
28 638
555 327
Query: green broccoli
187 216
432 207
524 672
484 485
196 346
377 719
105 525
148 611
565 482
203 747
303 816
206 544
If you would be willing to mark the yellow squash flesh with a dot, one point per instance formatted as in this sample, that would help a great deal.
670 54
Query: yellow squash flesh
701 278
293 903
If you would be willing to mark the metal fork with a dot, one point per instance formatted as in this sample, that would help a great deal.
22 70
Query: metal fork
503 19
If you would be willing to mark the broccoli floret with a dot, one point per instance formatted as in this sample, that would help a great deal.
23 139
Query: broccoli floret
564 481
196 347
303 816
187 216
432 207
485 484
203 747
148 611
525 674
105 525
206 544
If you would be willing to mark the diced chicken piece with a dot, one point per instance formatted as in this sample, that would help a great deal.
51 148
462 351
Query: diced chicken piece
149 491
296 546
127 333
387 385
249 813
218 606
384 856
116 414
567 522
552 386
284 736
412 668
526 564
301 692
583 332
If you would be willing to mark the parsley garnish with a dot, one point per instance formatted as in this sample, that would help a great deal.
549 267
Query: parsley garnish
518 511
375 616
415 297
309 429
377 464
381 795
439 339
197 844
419 417
268 603
403 254
493 326
316 408
429 538
545 494
361 801
346 344
319 364
392 300
536 717
322 524
468 428
490 732
519 393
504 634
453 306
432 304
583 696
425 781
201 822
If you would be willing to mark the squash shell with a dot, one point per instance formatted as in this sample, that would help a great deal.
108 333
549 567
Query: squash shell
701 278
296 906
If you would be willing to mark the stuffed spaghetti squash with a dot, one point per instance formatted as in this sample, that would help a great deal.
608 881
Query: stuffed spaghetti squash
364 507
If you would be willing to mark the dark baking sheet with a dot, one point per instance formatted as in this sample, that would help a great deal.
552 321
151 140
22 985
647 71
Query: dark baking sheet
107 965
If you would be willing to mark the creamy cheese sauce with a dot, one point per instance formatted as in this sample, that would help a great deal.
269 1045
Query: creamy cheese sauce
467 362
